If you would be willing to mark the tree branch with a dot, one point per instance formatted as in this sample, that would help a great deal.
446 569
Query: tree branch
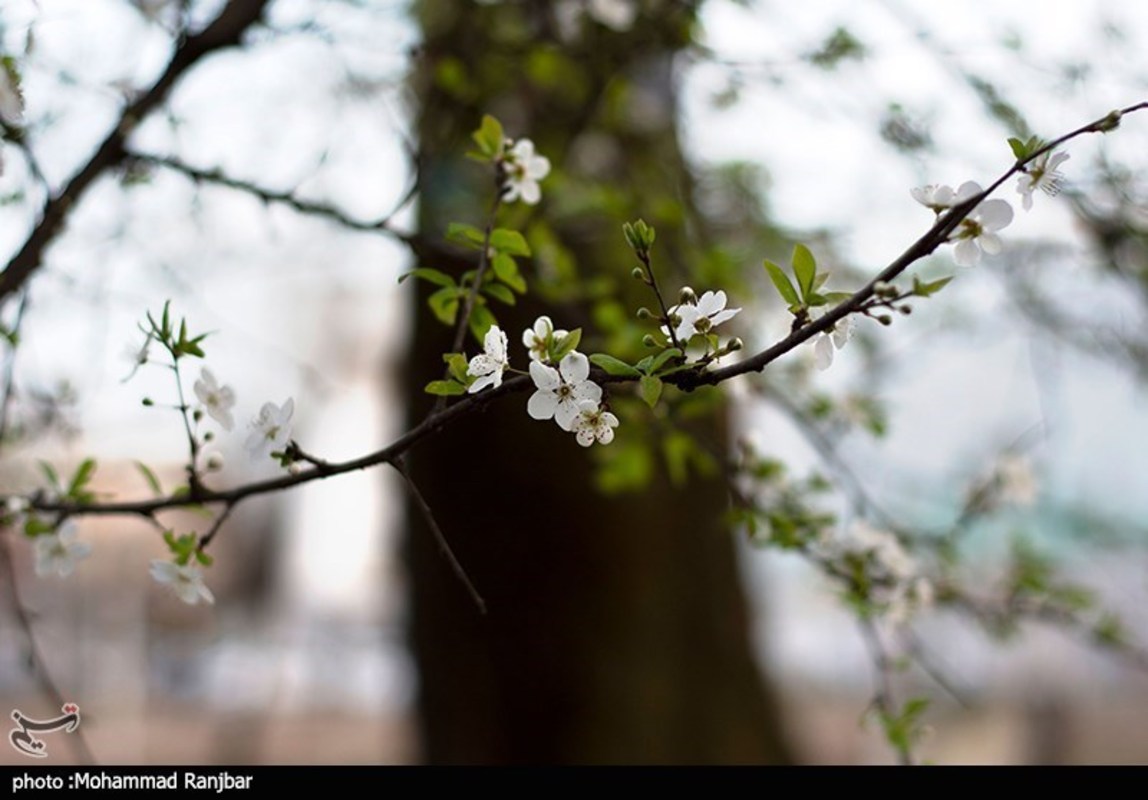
226 31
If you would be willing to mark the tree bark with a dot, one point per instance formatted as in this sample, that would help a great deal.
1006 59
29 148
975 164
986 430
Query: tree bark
617 630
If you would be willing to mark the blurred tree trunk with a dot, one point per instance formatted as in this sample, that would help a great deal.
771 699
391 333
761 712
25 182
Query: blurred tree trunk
617 630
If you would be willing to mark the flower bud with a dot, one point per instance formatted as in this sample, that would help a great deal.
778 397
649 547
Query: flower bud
686 295
644 313
649 341
147 401
1110 122
197 415
208 436
734 345
905 309
885 319
638 274
214 462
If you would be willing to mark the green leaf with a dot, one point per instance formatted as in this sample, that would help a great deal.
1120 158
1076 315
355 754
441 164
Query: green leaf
445 388
614 366
782 284
500 292
510 242
1018 148
489 137
650 389
456 364
661 358
804 268
150 477
35 526
837 297
431 275
51 474
820 280
566 344
203 558
506 269
467 235
930 288
444 305
814 299
481 318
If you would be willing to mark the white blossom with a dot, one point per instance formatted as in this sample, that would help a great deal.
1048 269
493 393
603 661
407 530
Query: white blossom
58 553
618 15
1041 173
977 231
562 391
16 506
524 170
185 581
217 399
707 314
837 336
594 424
488 366
896 583
538 339
937 197
1015 480
271 429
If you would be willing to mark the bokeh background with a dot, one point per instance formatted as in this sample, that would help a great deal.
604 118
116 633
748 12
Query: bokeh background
621 601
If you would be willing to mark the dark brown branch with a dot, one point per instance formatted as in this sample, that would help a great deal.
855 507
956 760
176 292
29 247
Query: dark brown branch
226 31
925 245
311 208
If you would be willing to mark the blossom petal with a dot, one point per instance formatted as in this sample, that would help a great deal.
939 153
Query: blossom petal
990 243
565 415
530 192
544 377
587 390
967 252
994 214
823 352
542 404
968 189
711 303
722 316
575 367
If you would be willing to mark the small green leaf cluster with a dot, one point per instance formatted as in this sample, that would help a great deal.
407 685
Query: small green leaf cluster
649 371
186 547
805 293
178 344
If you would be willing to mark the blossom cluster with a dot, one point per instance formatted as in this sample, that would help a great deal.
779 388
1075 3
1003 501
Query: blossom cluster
565 394
884 573
977 233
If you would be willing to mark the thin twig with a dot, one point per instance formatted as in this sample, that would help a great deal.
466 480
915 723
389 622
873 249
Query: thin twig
883 698
400 466
226 30
39 665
